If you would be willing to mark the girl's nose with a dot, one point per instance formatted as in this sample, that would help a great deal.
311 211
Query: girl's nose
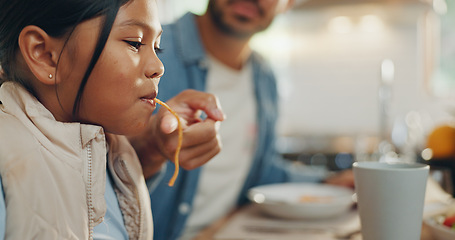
154 68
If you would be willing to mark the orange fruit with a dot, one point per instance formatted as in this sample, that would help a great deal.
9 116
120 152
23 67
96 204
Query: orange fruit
442 141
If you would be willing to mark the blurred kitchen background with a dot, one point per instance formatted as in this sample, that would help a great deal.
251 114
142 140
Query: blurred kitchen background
361 80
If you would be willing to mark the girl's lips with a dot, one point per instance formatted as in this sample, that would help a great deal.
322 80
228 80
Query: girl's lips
150 101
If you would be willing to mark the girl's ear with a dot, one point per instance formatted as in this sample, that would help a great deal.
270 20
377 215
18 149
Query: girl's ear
40 52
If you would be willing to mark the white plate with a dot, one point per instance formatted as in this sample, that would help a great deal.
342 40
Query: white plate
302 200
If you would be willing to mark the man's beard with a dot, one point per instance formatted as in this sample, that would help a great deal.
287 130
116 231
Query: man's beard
217 14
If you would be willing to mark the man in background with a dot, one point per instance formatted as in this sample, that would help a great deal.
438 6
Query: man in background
211 53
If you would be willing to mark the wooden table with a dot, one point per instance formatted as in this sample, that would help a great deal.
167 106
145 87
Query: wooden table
435 197
217 231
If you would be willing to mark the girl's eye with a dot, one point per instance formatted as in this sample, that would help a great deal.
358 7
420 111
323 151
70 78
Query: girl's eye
134 44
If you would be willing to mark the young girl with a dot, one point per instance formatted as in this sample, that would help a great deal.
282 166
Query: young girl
76 75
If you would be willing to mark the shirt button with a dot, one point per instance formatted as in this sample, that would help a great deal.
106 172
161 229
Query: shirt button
184 208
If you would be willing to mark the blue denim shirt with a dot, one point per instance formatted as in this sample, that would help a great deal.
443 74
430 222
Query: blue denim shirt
185 62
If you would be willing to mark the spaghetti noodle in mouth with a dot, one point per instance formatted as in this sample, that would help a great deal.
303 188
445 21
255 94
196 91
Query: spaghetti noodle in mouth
179 144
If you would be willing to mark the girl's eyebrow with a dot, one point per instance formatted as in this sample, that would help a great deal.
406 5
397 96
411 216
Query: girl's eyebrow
133 22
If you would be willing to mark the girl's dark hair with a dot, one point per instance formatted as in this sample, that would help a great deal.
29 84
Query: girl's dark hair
57 18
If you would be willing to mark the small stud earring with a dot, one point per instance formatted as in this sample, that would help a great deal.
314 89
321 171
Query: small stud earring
50 75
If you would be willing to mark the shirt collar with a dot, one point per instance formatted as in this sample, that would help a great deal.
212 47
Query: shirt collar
188 35
19 102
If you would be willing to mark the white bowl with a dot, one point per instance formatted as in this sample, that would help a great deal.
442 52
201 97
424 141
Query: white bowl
439 231
302 200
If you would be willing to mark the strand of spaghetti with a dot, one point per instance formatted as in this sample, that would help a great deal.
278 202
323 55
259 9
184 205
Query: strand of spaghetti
179 144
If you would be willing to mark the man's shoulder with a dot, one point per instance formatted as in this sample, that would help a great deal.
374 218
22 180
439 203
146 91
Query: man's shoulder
183 23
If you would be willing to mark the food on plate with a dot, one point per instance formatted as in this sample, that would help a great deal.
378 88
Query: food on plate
449 222
442 223
446 220
315 199
302 200
179 144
